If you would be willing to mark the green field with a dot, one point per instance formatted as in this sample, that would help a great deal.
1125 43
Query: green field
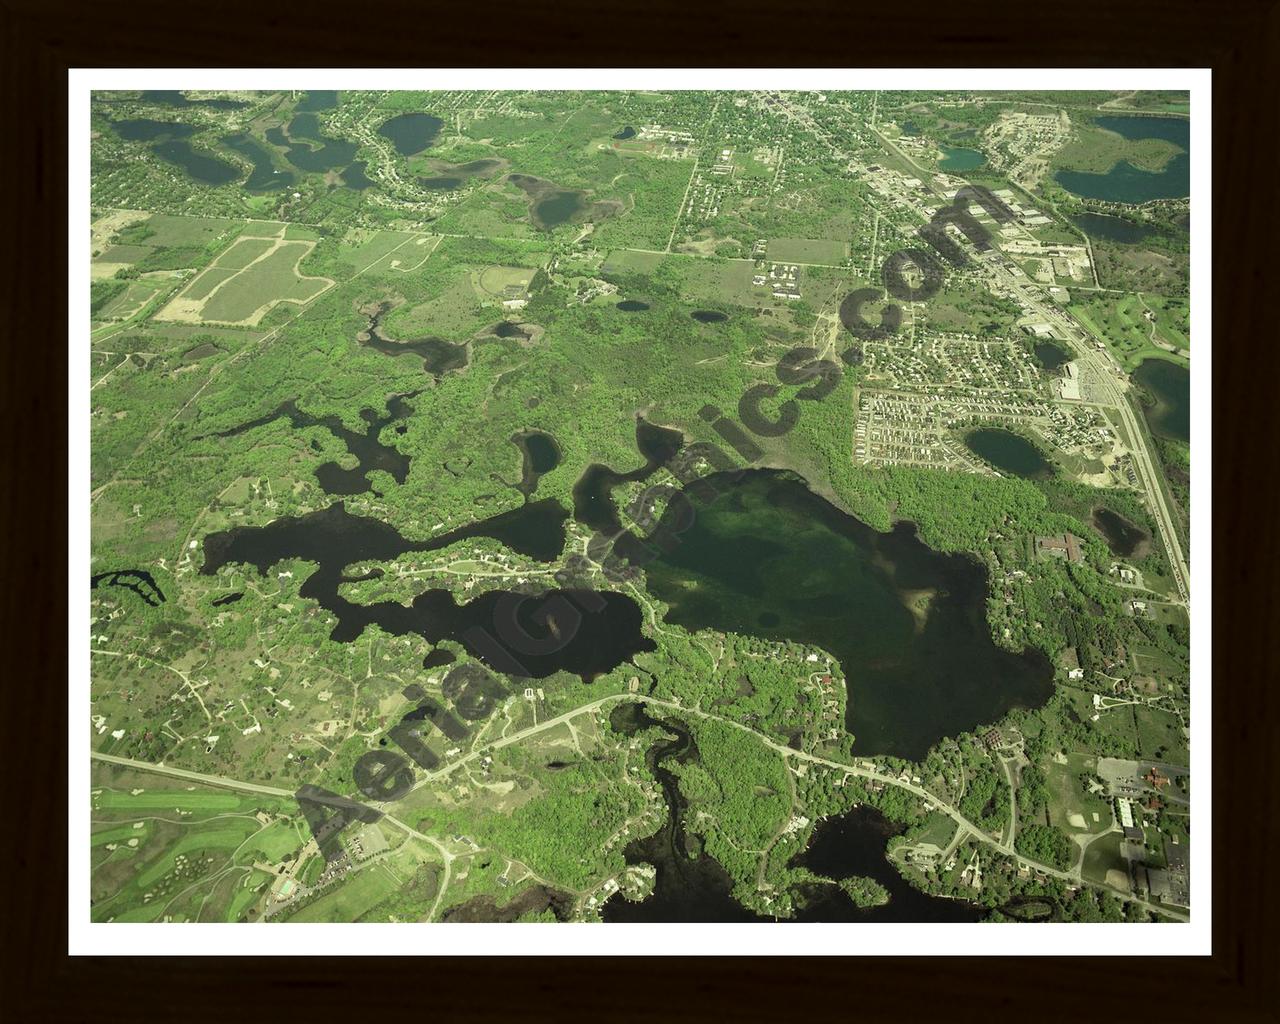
196 800
162 231
132 299
1160 736
807 250
1103 857
272 280
243 252
1071 807
366 889
124 254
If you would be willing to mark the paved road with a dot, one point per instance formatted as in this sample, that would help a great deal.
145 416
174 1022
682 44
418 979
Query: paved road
780 748
182 773
1082 342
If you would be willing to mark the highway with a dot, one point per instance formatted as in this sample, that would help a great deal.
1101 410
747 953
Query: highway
1083 344
182 773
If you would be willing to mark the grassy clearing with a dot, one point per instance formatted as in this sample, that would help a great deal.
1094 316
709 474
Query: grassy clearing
938 829
1160 735
369 887
1102 861
807 250
274 843
362 249
262 229
492 281
166 231
124 254
132 299
627 260
1071 808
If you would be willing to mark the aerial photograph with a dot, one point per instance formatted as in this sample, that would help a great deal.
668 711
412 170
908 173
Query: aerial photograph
638 506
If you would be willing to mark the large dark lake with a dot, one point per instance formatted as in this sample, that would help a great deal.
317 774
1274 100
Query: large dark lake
208 170
174 98
411 133
592 495
1050 356
169 142
540 455
559 208
1169 386
517 633
768 557
309 148
317 100
1125 183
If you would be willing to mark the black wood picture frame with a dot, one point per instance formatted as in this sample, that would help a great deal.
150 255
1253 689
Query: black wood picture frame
1238 39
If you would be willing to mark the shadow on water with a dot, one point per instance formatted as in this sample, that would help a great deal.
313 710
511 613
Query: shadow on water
593 493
